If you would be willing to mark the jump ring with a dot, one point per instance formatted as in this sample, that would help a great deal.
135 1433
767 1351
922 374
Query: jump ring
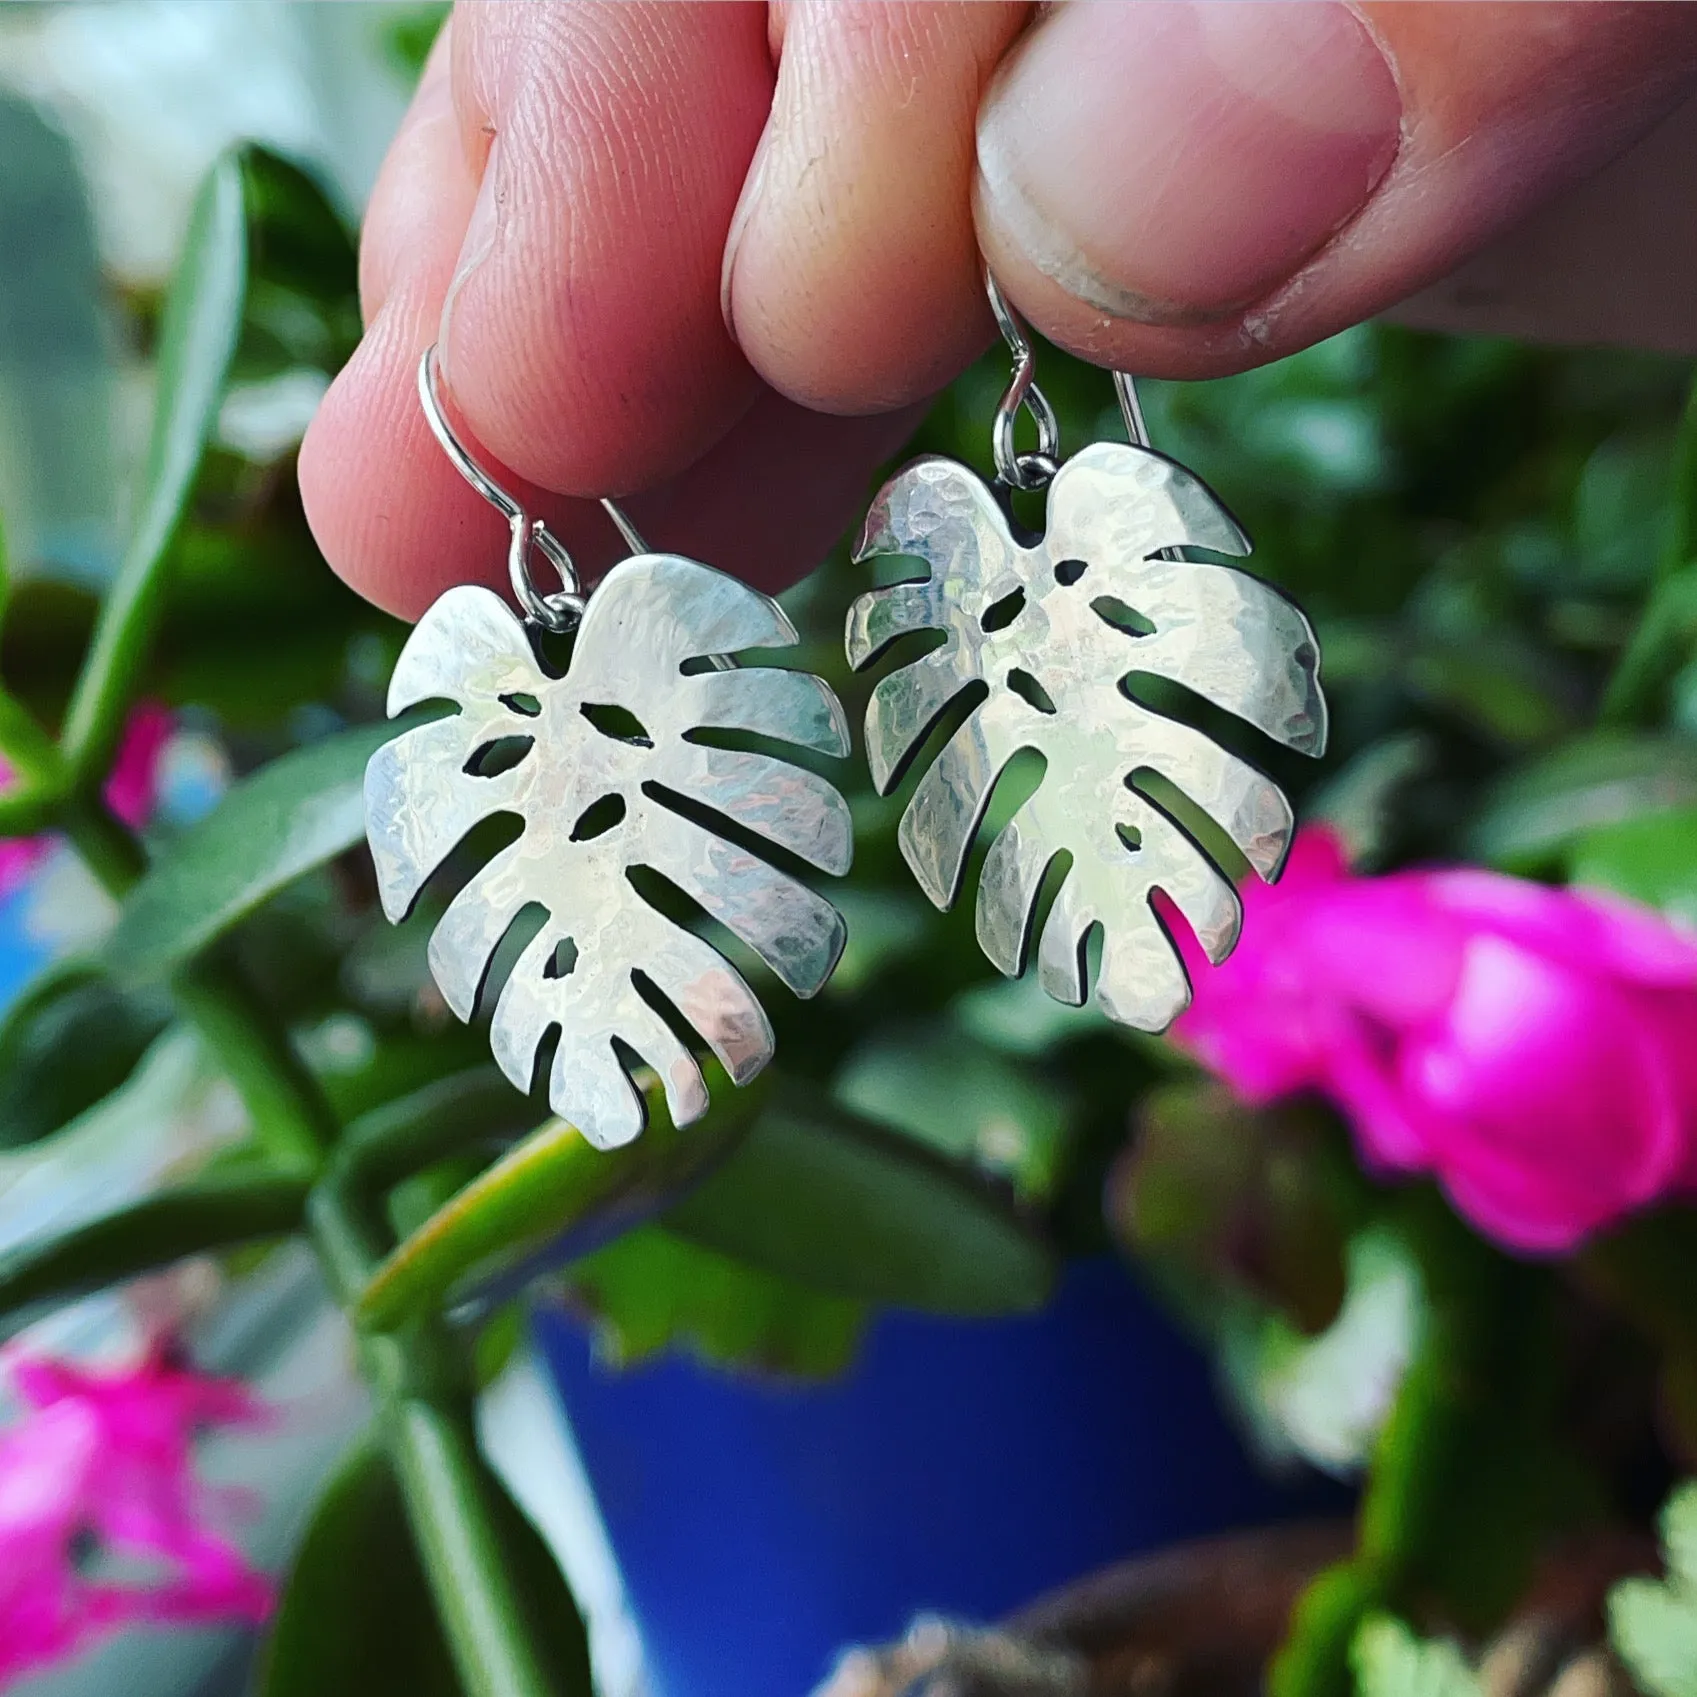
556 612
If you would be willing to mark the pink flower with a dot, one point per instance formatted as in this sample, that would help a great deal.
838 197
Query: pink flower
107 1460
1533 1048
130 789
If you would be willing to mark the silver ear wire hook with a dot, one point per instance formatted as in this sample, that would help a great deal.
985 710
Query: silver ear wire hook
1032 471
1017 470
561 609
1131 409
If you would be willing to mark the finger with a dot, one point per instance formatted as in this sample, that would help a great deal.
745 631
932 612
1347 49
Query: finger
381 500
425 183
396 520
851 275
1276 172
1608 261
582 337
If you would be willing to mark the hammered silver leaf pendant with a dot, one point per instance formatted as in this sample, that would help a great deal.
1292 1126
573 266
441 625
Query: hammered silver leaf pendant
1046 633
605 768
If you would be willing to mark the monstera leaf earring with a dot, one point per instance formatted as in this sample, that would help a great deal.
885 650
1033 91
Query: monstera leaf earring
1041 635
606 765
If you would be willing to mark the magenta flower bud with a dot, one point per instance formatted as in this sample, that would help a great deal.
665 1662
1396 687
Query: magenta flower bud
109 1456
1534 1049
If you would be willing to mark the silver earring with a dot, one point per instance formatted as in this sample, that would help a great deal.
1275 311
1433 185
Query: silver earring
605 766
1044 632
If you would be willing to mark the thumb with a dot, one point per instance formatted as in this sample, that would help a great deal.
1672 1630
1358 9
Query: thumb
1183 189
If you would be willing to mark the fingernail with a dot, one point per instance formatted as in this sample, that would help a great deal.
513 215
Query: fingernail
748 202
481 233
1173 162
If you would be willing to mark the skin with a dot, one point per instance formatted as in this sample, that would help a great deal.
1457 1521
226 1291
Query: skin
715 257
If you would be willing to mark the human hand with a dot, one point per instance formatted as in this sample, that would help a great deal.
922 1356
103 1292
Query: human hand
719 254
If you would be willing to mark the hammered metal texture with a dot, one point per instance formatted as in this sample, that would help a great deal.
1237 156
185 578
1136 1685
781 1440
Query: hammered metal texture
602 946
1049 631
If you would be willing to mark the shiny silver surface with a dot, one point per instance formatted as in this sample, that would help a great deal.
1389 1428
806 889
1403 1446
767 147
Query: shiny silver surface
602 944
1230 638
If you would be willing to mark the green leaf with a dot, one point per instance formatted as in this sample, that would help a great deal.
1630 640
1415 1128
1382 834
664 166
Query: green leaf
884 927
512 1625
1653 1624
521 1209
303 302
198 336
270 829
844 1206
1019 1017
356 1618
1390 1661
411 33
69 1039
1659 649
1532 818
1679 1538
1650 859
215 1212
963 1100
652 1291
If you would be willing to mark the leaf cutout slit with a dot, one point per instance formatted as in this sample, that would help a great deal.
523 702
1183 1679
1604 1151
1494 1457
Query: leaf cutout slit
634 1064
617 723
1130 836
527 924
1000 614
935 736
1170 699
1068 572
1054 875
666 898
1089 958
523 703
600 817
1111 610
562 960
491 759
548 1046
1029 690
1168 799
480 844
709 818
669 1012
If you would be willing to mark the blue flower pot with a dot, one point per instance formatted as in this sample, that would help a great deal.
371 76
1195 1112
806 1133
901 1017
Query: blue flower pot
961 1467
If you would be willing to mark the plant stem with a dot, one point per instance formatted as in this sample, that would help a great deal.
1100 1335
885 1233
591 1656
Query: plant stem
32 753
110 849
291 1116
417 1377
448 1492
427 1426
